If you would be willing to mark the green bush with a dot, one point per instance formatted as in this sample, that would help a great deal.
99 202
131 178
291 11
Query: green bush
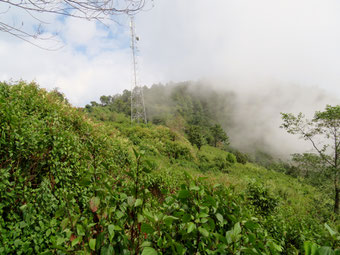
176 150
50 158
241 157
231 158
260 197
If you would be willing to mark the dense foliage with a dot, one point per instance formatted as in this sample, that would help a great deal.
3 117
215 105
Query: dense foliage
72 185
196 114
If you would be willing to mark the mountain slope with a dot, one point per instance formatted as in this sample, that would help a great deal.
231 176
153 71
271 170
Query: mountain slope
72 185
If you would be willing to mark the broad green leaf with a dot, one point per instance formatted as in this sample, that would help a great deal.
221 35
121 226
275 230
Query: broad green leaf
76 241
64 223
191 227
23 207
149 251
92 244
237 229
146 244
310 248
274 246
80 230
117 228
17 242
59 212
203 231
140 218
146 228
60 240
325 251
131 201
111 230
169 219
186 218
119 214
219 217
138 202
183 193
107 250
229 236
203 215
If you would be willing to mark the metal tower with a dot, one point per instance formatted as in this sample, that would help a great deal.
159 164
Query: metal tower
138 112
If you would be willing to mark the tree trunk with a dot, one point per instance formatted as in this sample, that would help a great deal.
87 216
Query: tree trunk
336 199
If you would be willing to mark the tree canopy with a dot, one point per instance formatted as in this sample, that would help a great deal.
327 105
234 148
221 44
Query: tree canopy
323 132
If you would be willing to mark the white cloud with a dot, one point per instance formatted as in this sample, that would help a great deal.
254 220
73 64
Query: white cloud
292 41
239 40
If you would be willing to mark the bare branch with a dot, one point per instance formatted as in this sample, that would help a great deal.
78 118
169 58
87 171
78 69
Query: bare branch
96 10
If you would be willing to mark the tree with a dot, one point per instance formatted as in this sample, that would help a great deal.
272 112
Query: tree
218 134
98 10
323 132
195 136
105 100
307 163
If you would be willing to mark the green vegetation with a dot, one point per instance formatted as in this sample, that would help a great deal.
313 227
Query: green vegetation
87 181
326 125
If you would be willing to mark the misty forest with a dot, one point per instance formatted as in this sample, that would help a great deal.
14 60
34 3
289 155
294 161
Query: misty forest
191 166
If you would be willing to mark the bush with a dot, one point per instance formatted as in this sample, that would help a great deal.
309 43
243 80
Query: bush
231 158
176 150
260 197
51 157
241 157
218 163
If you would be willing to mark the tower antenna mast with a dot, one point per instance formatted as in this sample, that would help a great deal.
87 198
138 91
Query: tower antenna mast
138 112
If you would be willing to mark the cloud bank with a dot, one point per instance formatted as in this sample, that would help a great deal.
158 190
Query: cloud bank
240 41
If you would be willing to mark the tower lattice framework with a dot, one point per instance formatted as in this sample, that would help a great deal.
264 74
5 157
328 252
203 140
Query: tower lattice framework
138 112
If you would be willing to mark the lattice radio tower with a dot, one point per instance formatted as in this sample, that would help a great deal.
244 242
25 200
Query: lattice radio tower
138 112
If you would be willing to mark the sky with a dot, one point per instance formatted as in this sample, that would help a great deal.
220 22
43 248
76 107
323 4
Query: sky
241 43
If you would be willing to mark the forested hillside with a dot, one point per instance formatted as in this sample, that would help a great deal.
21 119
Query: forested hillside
195 109
87 181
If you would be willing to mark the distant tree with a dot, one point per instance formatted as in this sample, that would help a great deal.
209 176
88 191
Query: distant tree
241 157
218 134
323 132
307 163
105 100
94 103
197 117
195 136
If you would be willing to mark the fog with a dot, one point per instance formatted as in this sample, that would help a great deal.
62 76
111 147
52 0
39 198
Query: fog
276 56
250 111
256 119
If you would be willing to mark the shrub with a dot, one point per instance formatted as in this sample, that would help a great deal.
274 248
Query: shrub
177 150
260 197
231 158
241 157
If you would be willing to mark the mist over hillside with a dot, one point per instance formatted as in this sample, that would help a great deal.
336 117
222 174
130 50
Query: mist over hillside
256 115
249 111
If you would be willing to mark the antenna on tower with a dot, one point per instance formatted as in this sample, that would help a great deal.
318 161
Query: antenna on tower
138 112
